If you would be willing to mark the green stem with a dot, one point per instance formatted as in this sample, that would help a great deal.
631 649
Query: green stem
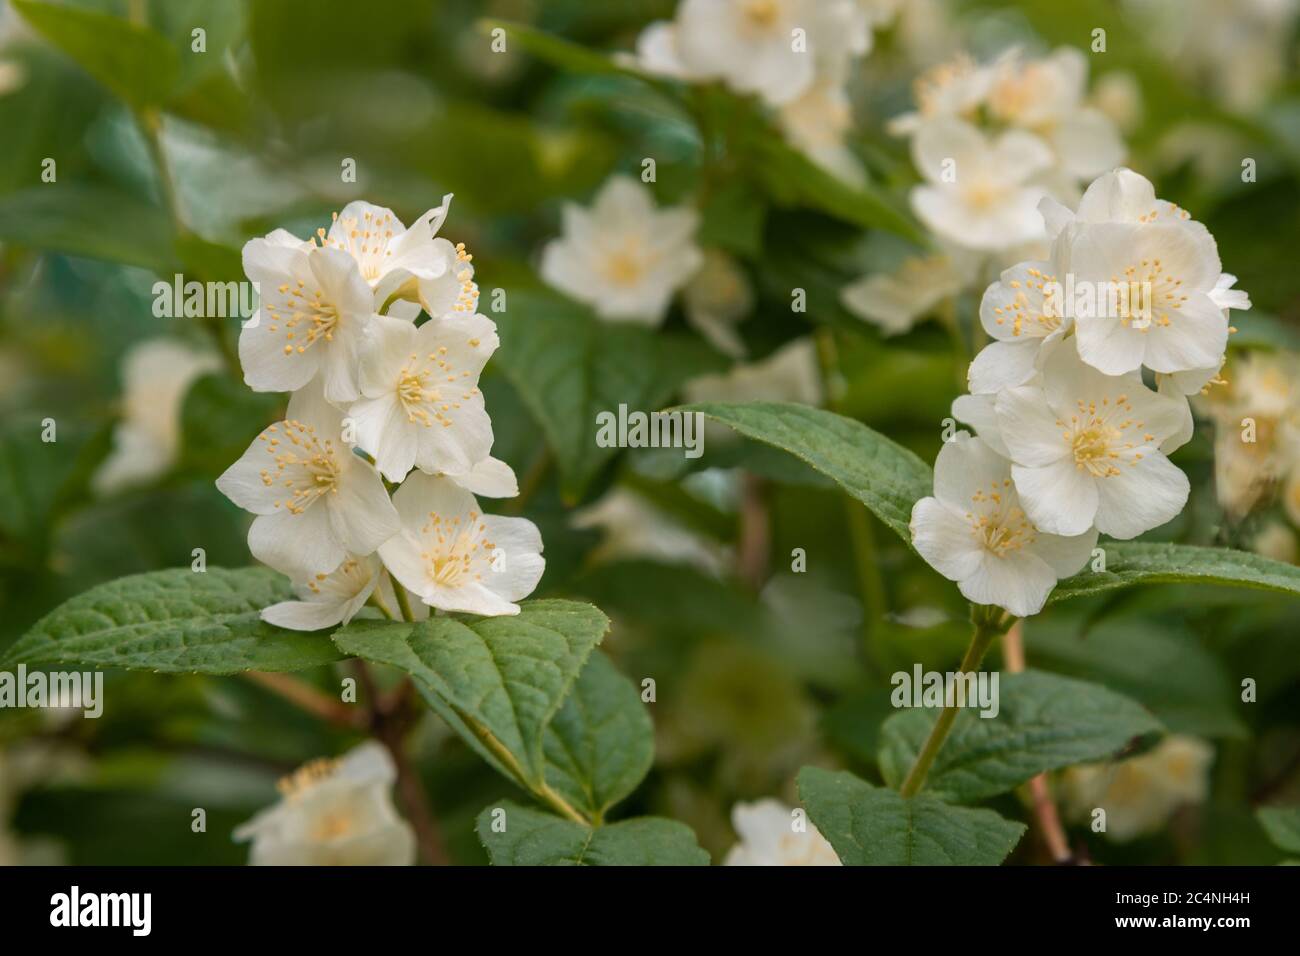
403 602
987 624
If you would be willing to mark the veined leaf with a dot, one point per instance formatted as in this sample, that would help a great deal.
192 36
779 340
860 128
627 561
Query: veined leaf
1282 824
1044 722
520 836
884 476
1139 562
174 621
872 826
498 680
600 744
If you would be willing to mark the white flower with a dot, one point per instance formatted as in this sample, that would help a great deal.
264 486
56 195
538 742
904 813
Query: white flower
768 837
316 501
330 599
978 193
816 124
1086 449
395 260
314 310
748 44
455 557
633 527
975 532
790 374
1045 96
334 813
156 374
1277 541
624 257
894 301
716 299
951 90
1023 312
420 404
1141 793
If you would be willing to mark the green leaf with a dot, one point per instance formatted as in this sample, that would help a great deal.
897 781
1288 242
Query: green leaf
884 476
1165 668
131 60
600 744
88 221
568 367
174 621
498 680
220 418
534 838
1044 722
1282 824
1138 562
872 826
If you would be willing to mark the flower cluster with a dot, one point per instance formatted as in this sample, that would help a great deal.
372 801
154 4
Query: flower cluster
378 396
1072 440
990 142
795 55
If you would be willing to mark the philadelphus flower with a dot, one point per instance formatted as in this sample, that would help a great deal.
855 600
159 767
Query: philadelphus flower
316 501
979 192
420 404
768 838
155 376
457 558
975 532
894 301
1141 793
334 813
1022 312
1086 449
326 600
624 257
716 299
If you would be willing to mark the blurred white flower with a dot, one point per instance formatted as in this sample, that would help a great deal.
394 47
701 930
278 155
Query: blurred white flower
1141 793
790 374
632 527
1277 541
455 557
894 301
624 256
334 813
770 836
979 193
316 501
816 124
1118 95
718 298
156 374
1046 97
975 532
420 404
1086 449
951 90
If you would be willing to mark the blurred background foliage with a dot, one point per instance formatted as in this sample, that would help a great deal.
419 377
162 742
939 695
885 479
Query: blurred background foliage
758 670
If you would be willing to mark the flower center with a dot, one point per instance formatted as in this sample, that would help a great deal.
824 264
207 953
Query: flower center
762 13
459 552
1146 294
999 525
307 467
1098 441
365 240
420 386
983 194
307 776
626 266
305 317
1030 321
332 825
